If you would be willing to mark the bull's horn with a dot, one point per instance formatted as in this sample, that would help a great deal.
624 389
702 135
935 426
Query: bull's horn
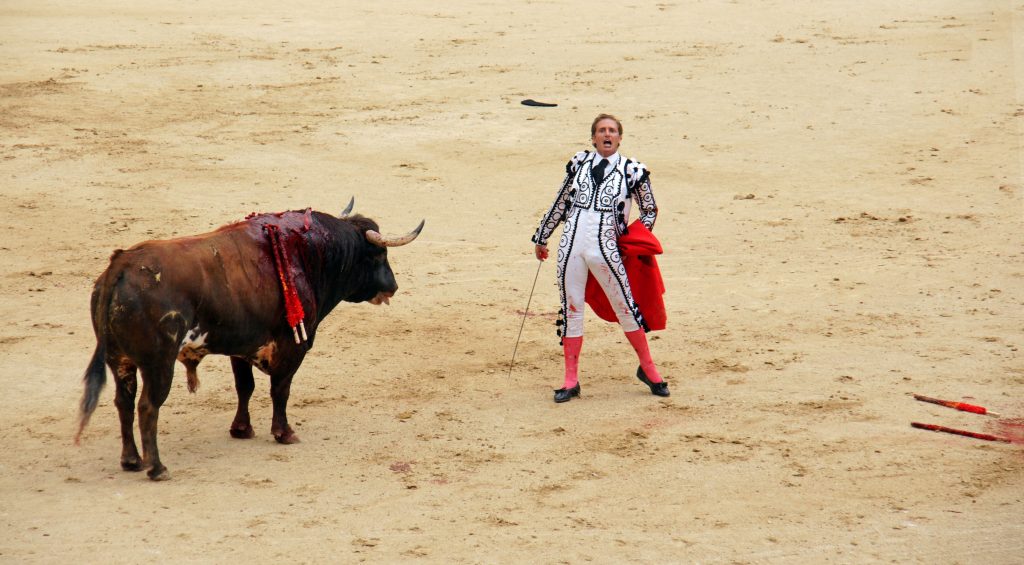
348 209
377 239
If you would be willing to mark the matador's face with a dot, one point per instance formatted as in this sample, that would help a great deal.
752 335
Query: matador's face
607 137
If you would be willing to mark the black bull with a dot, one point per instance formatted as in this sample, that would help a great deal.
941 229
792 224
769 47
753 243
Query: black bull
221 293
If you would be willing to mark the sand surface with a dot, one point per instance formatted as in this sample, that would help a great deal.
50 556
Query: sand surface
841 207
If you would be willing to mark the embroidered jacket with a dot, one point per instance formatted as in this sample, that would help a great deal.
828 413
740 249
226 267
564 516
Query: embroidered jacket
629 179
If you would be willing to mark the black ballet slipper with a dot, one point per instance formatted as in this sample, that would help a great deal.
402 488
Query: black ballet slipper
566 394
657 389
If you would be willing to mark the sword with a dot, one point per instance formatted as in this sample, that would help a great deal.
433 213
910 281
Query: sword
525 312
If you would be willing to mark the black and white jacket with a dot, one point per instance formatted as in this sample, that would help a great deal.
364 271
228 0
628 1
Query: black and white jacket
628 180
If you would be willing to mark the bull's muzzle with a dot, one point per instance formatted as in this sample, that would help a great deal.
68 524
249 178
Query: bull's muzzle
379 240
382 298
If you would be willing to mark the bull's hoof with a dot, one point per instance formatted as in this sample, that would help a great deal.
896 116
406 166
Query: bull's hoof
287 438
133 465
159 473
242 431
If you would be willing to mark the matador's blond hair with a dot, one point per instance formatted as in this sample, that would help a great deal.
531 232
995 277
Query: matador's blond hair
593 125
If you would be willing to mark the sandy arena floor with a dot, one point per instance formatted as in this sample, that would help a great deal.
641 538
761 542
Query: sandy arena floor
841 207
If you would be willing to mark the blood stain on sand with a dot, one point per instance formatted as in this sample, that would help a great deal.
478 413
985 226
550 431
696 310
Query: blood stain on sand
401 467
1012 429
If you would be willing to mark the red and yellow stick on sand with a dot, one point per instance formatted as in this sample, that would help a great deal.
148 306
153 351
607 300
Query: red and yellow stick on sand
958 405
936 428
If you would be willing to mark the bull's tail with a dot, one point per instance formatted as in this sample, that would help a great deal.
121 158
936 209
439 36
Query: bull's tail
94 379
96 372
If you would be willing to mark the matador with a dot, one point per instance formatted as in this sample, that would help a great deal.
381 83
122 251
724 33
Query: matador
594 201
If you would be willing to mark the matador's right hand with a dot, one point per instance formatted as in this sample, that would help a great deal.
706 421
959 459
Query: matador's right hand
541 252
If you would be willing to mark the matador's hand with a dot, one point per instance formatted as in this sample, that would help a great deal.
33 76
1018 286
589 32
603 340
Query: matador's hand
541 251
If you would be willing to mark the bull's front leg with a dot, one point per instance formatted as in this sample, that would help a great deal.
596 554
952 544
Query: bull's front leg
241 427
280 388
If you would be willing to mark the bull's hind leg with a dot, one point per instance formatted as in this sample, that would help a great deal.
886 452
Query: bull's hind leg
124 398
156 384
280 389
241 428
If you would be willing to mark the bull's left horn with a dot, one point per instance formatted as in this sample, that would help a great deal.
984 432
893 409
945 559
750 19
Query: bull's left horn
348 209
376 238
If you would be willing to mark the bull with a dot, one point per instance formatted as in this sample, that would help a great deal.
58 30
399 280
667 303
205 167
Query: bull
222 293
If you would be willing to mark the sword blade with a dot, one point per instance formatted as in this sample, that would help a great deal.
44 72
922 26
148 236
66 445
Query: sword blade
525 312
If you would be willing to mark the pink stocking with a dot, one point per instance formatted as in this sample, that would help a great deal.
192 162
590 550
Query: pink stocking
571 347
639 342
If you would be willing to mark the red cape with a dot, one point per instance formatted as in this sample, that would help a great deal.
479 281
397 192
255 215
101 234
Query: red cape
638 247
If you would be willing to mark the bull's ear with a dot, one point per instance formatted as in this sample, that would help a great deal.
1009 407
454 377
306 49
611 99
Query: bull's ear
379 240
348 209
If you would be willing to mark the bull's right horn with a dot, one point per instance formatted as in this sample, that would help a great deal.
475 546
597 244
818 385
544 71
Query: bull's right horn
376 238
348 209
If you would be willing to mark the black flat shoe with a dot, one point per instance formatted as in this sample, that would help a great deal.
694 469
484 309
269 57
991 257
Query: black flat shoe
657 389
564 394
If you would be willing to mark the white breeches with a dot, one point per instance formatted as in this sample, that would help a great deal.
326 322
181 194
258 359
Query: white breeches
589 243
